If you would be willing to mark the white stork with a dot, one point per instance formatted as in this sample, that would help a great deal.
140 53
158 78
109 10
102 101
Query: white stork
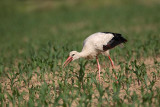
95 44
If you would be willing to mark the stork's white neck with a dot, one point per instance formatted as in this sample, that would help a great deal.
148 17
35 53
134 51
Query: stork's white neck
83 54
87 54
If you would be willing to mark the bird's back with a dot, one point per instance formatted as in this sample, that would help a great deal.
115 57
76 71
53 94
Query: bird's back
101 42
97 40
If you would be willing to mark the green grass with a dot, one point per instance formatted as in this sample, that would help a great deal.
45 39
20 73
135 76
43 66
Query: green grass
36 38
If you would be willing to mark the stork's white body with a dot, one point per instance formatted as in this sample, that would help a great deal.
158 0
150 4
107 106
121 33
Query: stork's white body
93 45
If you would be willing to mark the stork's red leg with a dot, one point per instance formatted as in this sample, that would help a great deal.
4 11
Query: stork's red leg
98 69
111 61
112 65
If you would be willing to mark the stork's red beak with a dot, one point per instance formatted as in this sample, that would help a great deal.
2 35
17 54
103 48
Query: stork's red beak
69 59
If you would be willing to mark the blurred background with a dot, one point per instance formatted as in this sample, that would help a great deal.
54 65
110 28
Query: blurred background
32 24
37 35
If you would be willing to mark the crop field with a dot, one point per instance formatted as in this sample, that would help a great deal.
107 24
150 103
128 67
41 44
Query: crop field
36 38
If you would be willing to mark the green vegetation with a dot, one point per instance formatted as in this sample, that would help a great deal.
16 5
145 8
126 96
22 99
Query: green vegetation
37 36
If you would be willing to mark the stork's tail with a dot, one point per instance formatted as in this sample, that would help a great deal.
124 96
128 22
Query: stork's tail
121 45
122 39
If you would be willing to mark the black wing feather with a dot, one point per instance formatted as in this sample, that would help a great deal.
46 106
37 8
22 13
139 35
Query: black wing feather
116 40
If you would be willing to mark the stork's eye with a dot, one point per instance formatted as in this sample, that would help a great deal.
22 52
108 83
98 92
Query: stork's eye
73 54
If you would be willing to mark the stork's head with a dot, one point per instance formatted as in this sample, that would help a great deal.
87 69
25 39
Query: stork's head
73 55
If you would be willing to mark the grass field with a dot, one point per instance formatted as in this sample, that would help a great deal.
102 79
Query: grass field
37 36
